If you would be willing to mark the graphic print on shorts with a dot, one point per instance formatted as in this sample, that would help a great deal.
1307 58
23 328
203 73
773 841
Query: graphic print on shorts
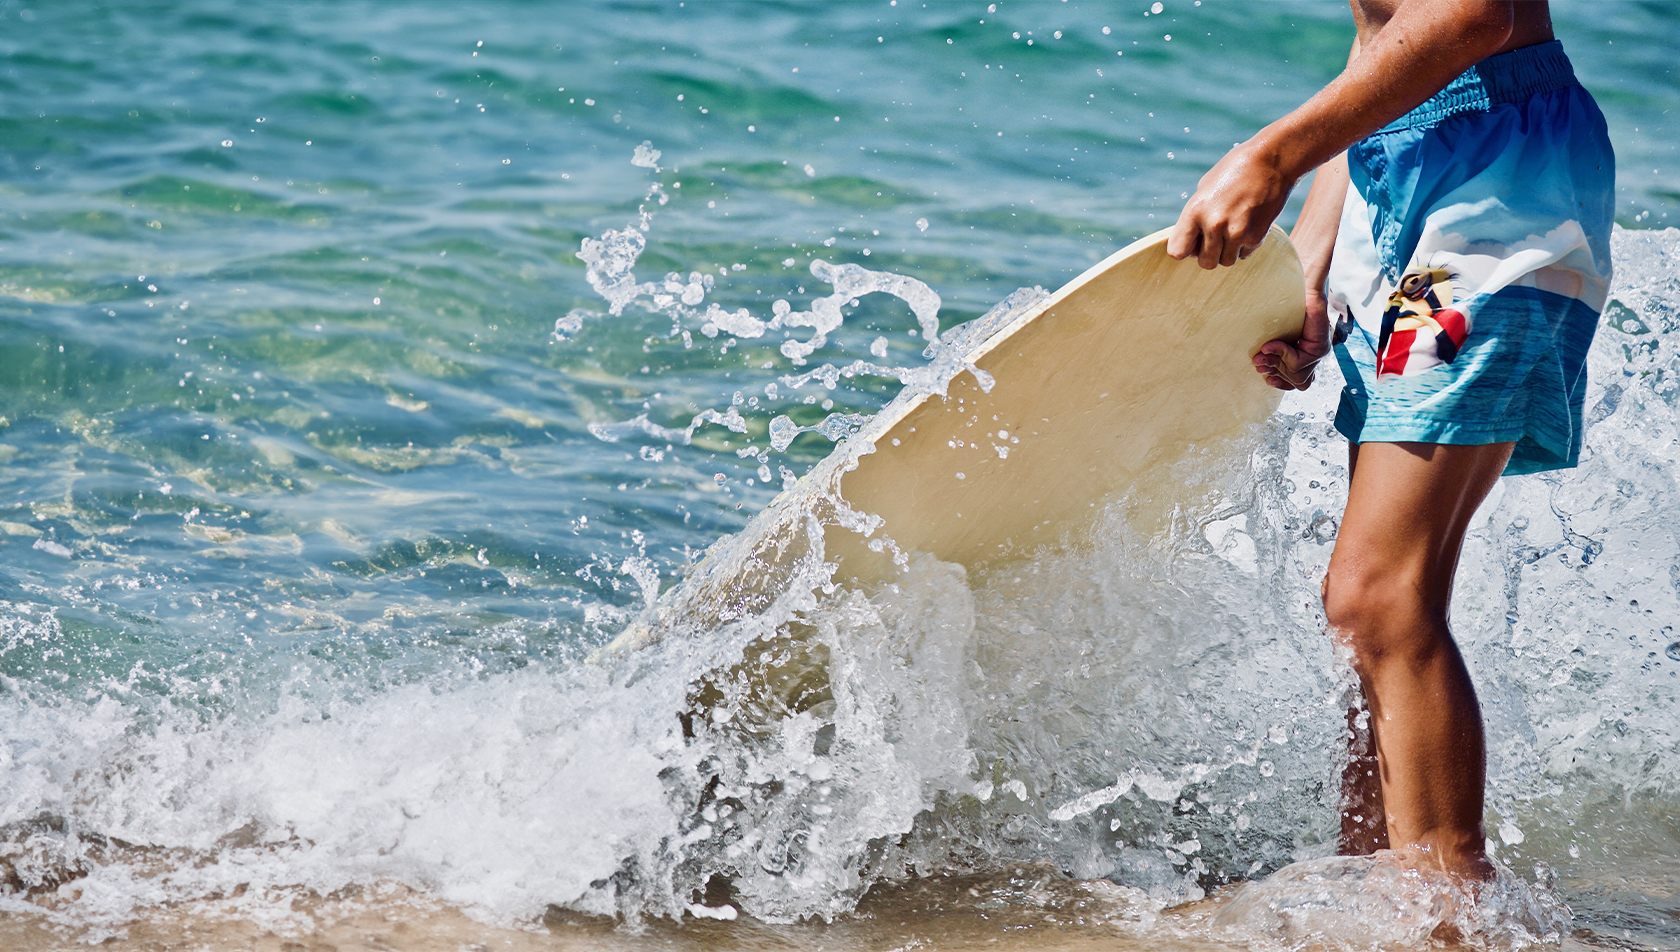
1420 329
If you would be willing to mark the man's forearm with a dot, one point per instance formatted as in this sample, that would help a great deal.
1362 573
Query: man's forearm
1425 46
1414 55
1314 235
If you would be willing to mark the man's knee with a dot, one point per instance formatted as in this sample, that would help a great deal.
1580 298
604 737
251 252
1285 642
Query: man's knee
1380 616
1354 601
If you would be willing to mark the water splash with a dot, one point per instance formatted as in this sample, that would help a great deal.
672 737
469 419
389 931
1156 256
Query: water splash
851 281
1160 711
1379 902
611 260
646 156
1166 712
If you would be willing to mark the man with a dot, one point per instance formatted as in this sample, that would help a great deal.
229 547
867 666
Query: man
1464 271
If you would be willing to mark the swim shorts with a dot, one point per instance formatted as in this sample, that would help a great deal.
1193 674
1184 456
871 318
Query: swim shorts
1472 261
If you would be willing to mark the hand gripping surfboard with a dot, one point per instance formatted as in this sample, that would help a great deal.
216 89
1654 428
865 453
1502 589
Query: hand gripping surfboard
1103 388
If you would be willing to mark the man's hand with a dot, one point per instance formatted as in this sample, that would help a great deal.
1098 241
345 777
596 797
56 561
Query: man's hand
1291 366
1235 203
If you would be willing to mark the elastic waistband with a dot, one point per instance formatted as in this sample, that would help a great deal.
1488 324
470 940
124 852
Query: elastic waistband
1503 78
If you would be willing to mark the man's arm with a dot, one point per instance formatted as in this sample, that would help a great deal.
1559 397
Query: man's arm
1289 365
1423 47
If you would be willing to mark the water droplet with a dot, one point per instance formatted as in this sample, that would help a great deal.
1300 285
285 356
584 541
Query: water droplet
1673 651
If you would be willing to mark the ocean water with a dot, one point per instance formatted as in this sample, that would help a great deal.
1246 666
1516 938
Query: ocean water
366 367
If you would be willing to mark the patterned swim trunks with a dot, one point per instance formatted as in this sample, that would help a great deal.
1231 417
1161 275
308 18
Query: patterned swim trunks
1472 261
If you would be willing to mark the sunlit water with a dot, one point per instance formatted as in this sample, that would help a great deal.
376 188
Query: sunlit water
364 368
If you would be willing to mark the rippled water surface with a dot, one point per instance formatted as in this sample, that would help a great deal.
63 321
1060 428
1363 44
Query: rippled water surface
365 366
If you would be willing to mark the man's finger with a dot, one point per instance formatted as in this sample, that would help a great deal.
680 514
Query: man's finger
1228 255
1212 248
1184 241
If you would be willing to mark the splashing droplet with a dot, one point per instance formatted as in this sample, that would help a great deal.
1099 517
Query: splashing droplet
646 156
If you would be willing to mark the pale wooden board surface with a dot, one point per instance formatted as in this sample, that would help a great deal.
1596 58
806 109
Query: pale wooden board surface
1103 389
1124 370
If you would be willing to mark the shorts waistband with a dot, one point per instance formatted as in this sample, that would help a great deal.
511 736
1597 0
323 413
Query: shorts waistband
1503 78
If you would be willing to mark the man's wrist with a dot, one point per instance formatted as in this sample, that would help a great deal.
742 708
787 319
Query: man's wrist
1285 151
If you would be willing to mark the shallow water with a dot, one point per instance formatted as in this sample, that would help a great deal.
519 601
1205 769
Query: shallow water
323 464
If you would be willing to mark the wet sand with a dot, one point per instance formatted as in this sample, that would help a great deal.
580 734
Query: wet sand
1029 909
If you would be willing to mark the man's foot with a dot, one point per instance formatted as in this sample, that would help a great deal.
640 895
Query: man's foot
1389 899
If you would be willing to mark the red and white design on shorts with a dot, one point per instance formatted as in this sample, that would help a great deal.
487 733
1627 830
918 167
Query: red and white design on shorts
1420 329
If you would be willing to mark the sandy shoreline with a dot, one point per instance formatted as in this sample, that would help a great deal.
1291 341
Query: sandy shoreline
1042 912
1030 909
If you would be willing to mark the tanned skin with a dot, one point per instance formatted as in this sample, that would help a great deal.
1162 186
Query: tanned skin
1415 779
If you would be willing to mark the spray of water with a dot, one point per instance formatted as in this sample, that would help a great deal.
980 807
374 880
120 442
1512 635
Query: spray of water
1161 711
611 261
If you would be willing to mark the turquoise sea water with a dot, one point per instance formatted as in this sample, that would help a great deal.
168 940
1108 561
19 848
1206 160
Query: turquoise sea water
323 463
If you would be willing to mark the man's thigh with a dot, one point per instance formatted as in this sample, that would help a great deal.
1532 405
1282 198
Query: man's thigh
1409 505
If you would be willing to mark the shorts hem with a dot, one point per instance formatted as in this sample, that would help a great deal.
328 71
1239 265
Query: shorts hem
1454 432
1531 454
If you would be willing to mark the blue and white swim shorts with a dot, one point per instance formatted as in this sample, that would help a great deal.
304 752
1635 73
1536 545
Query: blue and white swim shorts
1472 261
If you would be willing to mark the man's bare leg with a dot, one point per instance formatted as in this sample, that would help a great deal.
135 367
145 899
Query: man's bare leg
1386 596
1364 821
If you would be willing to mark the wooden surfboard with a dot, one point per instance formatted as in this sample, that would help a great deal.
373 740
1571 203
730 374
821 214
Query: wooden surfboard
1103 388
